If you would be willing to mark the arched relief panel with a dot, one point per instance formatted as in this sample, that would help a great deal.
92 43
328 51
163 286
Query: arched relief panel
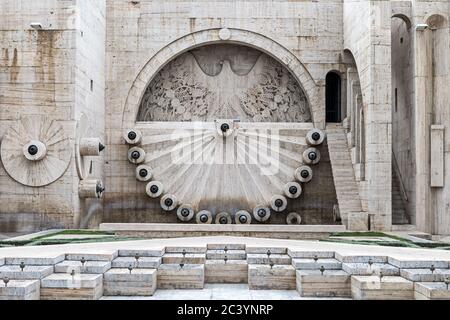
210 36
224 81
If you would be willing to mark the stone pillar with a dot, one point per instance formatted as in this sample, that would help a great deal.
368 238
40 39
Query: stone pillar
422 121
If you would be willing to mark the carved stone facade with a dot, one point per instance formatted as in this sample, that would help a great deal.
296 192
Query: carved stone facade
224 82
100 69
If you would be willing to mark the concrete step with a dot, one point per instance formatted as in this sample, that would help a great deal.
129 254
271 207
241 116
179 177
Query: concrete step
143 262
229 254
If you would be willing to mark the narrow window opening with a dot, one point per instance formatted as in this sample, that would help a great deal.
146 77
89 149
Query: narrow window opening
395 100
333 97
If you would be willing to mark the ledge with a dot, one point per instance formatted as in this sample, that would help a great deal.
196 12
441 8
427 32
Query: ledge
165 230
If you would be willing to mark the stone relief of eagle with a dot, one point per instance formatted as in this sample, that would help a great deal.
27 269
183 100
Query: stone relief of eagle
196 87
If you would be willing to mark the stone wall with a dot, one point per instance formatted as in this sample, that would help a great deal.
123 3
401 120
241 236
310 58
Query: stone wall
312 31
42 74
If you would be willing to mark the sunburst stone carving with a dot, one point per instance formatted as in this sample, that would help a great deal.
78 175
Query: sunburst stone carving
255 169
36 151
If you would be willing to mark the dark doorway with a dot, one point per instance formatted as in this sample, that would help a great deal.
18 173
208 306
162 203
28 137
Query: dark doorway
333 97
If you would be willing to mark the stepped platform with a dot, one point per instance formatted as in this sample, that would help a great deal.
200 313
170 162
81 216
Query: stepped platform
382 288
330 283
269 265
20 290
123 282
62 286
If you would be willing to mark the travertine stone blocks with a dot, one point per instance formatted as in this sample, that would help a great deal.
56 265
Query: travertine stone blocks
418 264
384 288
310 254
361 259
35 261
122 282
92 256
173 276
28 273
190 249
366 269
312 264
227 246
231 271
157 252
332 283
93 267
262 258
142 262
431 291
188 258
277 277
425 275
63 286
229 254
20 290
264 250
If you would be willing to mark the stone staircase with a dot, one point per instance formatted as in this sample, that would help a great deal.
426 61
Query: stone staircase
347 193
313 273
399 214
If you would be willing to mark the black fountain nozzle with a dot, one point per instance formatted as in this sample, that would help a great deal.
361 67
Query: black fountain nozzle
242 219
315 258
72 273
315 136
101 147
168 202
136 256
261 212
203 218
225 259
185 212
22 266
304 174
223 220
271 264
293 189
268 253
143 173
370 262
183 253
225 249
322 269
132 135
380 275
154 189
5 281
312 155
278 203
135 155
432 268
33 149
130 268
83 261
225 127
447 281
181 265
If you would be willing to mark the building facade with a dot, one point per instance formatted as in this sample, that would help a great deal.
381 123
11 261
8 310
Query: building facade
206 112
